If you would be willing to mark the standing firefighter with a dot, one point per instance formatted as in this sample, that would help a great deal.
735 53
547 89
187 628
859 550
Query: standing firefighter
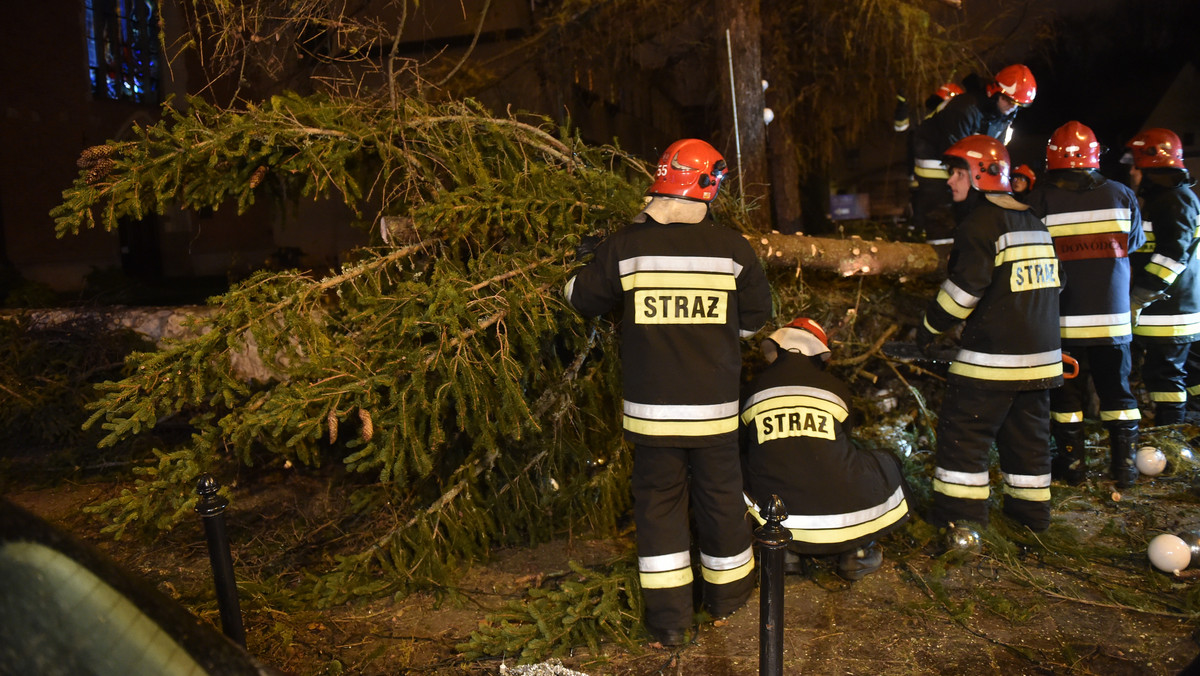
689 290
1165 296
796 421
1003 282
979 110
1095 223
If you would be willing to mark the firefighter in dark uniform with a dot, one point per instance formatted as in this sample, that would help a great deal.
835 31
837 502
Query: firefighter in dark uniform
1165 296
1095 223
978 110
1023 179
689 289
796 423
1003 283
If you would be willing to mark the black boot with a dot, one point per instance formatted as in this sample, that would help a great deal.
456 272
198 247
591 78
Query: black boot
1070 456
1169 413
1122 443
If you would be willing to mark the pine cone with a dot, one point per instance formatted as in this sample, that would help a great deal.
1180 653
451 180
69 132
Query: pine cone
257 177
331 421
91 155
99 170
368 427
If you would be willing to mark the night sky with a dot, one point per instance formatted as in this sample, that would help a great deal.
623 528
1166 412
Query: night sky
1107 69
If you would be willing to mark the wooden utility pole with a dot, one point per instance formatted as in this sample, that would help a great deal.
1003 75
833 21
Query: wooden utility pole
739 26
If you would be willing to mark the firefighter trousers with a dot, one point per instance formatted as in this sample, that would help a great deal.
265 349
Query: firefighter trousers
665 480
970 421
1108 368
1164 373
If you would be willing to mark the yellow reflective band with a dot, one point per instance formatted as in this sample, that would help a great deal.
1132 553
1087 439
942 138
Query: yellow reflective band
1127 414
960 491
929 172
726 576
947 303
1025 252
1194 390
1169 397
680 428
682 306
1164 330
1067 417
669 579
1006 374
1111 331
1085 224
1030 494
1166 274
929 327
678 280
794 401
833 535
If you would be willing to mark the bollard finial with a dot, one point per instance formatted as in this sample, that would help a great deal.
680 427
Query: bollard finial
772 533
211 503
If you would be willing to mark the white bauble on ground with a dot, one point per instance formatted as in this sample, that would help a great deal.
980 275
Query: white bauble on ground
1169 553
1150 461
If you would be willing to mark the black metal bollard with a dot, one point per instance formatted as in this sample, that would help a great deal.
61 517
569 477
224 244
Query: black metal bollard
211 508
772 539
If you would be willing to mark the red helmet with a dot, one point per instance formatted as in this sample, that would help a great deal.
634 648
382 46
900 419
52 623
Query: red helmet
987 162
1024 170
802 335
1156 148
1016 82
1073 146
689 168
949 91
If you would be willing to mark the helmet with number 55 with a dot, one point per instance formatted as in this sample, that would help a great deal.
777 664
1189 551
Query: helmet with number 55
691 169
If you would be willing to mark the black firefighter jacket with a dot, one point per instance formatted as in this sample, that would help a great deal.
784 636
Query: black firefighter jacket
689 292
1167 262
1095 224
1003 282
796 423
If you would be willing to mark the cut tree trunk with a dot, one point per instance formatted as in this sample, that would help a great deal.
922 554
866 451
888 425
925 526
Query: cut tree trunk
849 257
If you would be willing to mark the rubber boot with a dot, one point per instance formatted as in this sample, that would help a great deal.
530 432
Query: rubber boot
1122 444
1070 456
1169 414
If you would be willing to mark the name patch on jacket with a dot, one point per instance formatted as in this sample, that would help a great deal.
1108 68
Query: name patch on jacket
794 422
680 306
1084 247
1036 273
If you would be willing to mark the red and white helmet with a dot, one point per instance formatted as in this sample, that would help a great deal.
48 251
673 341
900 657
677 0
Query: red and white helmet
987 162
1016 82
949 91
689 168
1155 148
1073 146
1025 171
802 335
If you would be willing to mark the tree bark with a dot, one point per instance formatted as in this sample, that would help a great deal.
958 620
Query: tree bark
739 27
849 257
783 166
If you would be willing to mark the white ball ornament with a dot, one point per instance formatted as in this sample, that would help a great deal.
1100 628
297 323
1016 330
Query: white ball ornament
1150 461
1169 553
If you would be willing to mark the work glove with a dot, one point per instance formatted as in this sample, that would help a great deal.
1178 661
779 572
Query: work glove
1139 298
900 120
587 245
925 341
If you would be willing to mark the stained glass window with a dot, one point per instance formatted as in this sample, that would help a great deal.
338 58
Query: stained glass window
123 49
